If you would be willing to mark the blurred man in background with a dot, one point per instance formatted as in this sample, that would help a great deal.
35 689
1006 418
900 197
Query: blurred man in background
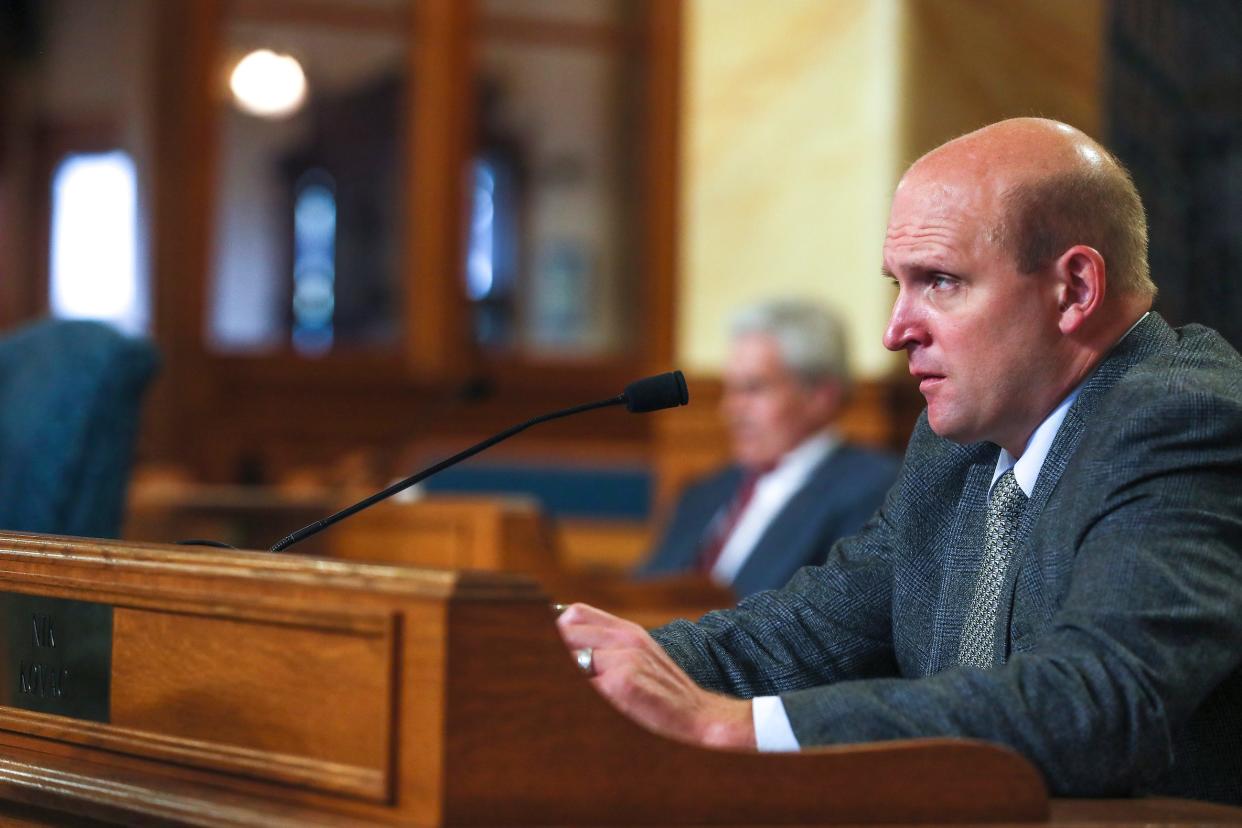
794 486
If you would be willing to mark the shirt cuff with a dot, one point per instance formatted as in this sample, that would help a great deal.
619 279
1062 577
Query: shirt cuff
773 733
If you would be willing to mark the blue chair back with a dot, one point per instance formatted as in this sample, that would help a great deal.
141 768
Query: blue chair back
70 398
601 493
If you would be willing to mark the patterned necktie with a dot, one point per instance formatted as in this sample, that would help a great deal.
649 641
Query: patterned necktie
977 643
719 530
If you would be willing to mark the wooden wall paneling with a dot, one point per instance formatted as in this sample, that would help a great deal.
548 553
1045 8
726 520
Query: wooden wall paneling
320 12
17 296
660 190
440 125
183 397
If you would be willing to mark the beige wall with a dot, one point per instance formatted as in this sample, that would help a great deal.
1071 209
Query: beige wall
971 62
789 109
799 116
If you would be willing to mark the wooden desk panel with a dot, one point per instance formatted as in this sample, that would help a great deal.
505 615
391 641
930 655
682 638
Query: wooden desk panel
488 720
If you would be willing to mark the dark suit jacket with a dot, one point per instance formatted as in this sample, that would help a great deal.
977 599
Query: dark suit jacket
1121 622
839 495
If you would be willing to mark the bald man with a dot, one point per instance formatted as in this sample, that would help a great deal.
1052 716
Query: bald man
1059 566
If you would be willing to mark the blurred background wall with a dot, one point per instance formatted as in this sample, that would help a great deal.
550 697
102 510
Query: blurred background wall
481 210
800 115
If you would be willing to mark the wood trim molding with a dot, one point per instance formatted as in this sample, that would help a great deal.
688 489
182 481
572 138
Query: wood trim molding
661 167
440 128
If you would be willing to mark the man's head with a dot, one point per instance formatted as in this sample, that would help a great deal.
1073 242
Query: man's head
1020 256
785 378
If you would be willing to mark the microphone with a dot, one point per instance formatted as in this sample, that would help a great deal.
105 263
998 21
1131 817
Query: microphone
647 394
654 393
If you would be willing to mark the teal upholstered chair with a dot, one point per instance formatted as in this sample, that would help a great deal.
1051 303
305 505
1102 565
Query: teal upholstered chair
70 397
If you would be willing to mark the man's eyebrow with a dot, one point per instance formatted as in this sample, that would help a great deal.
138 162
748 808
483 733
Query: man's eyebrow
886 273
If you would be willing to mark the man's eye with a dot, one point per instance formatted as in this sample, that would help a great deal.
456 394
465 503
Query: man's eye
941 282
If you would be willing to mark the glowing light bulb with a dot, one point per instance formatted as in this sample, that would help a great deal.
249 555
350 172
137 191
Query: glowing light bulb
268 85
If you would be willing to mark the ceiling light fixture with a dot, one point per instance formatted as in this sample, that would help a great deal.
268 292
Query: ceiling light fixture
268 85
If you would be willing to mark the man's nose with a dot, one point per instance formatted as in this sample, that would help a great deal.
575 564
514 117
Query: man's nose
904 327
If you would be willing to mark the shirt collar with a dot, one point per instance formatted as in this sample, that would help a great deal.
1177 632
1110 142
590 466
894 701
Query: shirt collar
1026 468
800 460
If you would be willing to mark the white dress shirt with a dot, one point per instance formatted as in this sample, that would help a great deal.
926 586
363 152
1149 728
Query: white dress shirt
772 491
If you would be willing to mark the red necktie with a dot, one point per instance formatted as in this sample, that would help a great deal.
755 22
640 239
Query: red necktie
719 530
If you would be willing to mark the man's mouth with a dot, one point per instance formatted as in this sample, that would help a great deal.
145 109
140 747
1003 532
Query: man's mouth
928 381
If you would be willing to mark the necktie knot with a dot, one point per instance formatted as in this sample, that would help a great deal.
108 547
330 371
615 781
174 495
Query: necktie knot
1007 496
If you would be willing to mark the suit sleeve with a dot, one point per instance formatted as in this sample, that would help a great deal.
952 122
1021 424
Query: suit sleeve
828 624
1150 625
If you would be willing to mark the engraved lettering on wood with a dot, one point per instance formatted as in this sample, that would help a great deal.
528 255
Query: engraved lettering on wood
42 680
35 678
57 656
44 633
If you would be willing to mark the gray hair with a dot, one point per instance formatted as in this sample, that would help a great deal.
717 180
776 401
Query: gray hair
809 337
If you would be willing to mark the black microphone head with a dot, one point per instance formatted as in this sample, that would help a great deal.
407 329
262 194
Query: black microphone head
654 393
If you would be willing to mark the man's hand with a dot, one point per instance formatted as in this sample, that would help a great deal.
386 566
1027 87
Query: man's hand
634 673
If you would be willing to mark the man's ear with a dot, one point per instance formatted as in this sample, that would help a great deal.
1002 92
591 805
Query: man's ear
1081 282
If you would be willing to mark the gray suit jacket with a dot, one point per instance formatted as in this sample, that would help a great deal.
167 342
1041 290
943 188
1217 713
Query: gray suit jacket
1121 623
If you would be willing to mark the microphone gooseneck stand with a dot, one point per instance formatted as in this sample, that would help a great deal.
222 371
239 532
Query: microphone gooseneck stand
647 394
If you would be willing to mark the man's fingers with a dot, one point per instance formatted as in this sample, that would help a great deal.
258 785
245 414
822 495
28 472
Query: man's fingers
630 669
590 635
585 626
576 614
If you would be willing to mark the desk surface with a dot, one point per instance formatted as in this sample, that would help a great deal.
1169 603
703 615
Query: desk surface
1066 813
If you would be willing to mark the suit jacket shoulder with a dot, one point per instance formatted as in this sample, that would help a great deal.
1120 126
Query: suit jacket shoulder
839 495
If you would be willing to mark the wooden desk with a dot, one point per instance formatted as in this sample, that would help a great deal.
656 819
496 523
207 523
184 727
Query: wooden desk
512 535
247 517
246 688
255 517
504 534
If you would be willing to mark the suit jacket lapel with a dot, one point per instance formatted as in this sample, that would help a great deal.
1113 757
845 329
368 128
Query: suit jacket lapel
962 553
781 541
1026 576
1029 576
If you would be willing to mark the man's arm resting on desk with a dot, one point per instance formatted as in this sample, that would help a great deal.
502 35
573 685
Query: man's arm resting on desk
634 673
